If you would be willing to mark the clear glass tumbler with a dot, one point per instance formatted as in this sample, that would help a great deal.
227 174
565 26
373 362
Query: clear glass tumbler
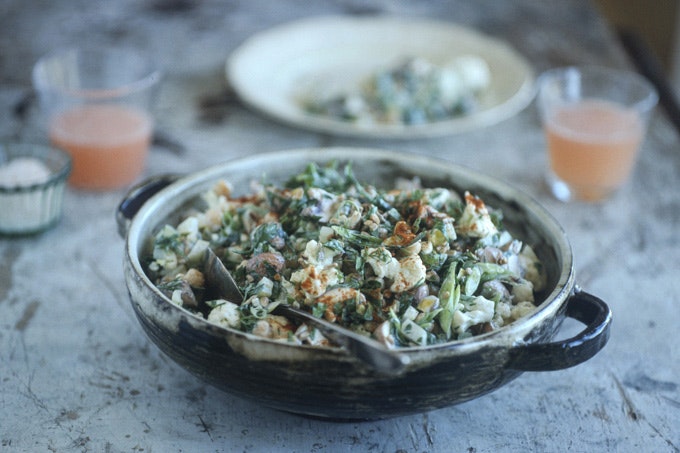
595 120
96 105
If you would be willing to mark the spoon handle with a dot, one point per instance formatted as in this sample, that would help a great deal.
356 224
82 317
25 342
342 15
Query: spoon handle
365 349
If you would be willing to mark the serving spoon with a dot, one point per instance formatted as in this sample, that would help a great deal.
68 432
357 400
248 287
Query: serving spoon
363 348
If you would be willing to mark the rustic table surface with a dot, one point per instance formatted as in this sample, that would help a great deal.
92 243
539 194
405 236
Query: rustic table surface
78 374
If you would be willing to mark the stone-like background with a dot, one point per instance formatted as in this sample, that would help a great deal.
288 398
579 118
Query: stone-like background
78 374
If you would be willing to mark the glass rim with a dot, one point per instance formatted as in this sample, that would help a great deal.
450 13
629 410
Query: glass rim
646 102
150 77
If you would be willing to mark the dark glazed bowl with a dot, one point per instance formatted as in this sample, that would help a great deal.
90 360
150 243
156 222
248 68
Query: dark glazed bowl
328 382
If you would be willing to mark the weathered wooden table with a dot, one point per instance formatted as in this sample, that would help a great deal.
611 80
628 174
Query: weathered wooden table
78 374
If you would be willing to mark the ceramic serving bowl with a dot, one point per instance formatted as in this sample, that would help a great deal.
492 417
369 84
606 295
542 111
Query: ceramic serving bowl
328 382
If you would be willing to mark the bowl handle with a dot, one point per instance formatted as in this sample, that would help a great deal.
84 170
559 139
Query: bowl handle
137 196
584 307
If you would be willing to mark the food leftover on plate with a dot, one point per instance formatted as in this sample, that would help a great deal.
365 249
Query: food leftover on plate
416 91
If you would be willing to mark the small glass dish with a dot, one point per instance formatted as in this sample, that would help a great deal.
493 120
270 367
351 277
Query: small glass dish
32 182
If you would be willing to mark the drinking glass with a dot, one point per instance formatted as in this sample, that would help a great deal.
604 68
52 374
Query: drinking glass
595 119
96 106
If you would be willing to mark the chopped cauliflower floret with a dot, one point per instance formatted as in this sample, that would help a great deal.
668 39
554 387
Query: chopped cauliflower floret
340 295
225 314
320 273
411 273
163 252
324 207
476 221
479 310
382 262
318 255
314 281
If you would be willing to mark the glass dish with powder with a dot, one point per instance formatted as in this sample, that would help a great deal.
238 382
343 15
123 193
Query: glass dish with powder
32 182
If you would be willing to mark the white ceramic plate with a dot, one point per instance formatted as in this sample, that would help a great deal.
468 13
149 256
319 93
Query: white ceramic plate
273 70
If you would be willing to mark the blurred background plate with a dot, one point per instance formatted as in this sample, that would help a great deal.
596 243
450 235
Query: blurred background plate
274 69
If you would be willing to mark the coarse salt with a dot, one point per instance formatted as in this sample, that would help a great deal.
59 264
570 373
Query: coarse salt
25 205
23 172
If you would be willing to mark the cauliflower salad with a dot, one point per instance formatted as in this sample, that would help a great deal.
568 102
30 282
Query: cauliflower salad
414 92
408 266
